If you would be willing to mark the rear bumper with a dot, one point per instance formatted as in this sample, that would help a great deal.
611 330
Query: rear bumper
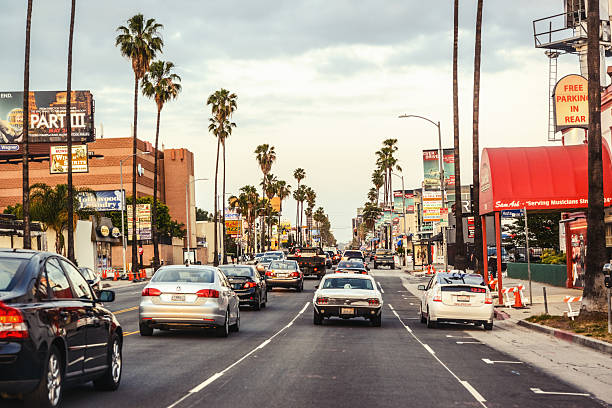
20 367
441 312
158 316
283 283
335 311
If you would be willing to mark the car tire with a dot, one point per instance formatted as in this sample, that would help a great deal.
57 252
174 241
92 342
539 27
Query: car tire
317 318
488 326
377 321
430 323
42 397
257 305
111 378
236 326
423 319
145 330
223 331
265 303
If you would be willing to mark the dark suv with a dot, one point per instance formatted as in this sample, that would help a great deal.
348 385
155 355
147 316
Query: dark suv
54 331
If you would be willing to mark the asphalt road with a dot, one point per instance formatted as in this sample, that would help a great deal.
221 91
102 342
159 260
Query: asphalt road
280 359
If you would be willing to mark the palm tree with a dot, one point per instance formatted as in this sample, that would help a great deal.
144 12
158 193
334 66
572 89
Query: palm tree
460 259
311 196
372 195
386 164
299 174
247 204
27 239
162 85
370 214
299 195
594 293
223 106
475 147
266 156
378 179
70 198
283 190
140 41
269 186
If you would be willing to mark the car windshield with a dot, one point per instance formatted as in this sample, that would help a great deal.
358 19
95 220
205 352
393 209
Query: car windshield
350 264
9 267
353 254
274 255
453 278
187 275
347 283
237 271
268 259
290 265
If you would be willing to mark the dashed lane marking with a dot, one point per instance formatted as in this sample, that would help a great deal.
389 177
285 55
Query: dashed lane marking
486 360
129 309
473 391
381 288
130 333
539 391
468 342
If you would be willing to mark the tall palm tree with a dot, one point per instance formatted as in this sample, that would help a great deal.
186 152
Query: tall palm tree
319 218
475 147
283 190
311 196
460 259
594 293
139 41
223 106
378 179
70 198
370 214
372 195
266 156
299 195
299 174
269 186
161 84
27 239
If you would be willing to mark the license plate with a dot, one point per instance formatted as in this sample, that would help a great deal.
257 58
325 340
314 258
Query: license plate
347 311
178 298
238 286
463 298
282 275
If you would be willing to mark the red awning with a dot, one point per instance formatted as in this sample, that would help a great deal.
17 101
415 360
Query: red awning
538 178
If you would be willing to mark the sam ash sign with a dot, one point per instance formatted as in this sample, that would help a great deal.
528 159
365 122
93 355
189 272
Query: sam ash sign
59 159
571 103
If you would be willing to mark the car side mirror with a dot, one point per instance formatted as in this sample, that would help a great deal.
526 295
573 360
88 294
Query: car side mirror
421 287
106 296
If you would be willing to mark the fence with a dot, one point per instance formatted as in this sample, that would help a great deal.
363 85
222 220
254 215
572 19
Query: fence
555 275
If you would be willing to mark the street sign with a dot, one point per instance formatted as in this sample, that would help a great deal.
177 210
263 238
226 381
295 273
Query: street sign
512 213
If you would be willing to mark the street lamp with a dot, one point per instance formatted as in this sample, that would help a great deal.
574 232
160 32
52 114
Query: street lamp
404 217
123 203
442 186
187 210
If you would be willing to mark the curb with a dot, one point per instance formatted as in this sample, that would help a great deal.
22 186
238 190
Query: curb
595 344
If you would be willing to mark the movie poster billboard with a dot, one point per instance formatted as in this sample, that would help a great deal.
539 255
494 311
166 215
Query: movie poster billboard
578 237
398 202
431 169
58 164
143 222
47 122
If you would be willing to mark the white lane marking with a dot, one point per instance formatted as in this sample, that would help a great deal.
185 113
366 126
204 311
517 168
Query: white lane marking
412 304
390 306
215 376
468 342
381 288
539 391
473 391
486 360
477 396
409 329
459 337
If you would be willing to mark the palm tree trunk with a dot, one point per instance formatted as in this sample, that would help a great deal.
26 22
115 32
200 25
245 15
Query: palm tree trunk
134 175
223 209
154 214
216 215
263 217
27 239
70 200
278 226
460 259
594 294
475 145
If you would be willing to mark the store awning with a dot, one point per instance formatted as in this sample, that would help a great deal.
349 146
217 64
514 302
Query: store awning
538 178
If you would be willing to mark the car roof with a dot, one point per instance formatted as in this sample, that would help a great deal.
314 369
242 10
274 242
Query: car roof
347 275
19 253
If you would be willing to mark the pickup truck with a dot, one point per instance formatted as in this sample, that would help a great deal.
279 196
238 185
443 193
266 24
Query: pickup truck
384 257
310 260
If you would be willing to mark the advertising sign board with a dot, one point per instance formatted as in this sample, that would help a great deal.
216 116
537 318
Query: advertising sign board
471 228
432 203
571 103
233 227
143 221
105 200
59 159
431 169
398 202
47 120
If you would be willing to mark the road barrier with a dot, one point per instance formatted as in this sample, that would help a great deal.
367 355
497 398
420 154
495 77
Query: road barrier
493 284
519 297
569 300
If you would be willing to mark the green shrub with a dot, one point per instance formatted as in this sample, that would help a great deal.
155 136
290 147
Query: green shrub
550 256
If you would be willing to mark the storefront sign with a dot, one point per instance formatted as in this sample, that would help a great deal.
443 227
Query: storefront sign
431 169
105 200
116 232
104 231
143 221
432 203
59 159
233 227
571 103
471 227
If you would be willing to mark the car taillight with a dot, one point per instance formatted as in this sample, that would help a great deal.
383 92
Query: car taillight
247 285
151 292
322 300
315 269
208 293
364 273
12 324
373 302
375 257
295 274
488 299
269 273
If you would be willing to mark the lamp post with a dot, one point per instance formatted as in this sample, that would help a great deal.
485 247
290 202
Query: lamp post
123 204
442 185
187 212
403 216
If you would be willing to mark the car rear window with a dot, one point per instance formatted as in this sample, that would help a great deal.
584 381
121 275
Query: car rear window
383 252
9 269
353 254
290 265
186 275
243 271
347 283
455 278
350 264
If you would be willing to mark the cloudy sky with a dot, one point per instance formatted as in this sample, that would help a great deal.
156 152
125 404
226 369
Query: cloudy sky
321 80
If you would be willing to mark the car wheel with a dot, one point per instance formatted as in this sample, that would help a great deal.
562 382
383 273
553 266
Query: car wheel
317 318
257 305
488 326
430 323
48 394
423 319
145 330
236 326
265 303
223 331
111 378
377 321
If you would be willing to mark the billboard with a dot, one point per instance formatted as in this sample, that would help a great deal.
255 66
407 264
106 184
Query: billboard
398 202
59 159
432 203
431 169
47 122
143 221
105 200
571 103
233 227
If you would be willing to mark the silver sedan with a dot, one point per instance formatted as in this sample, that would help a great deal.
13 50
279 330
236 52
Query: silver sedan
193 296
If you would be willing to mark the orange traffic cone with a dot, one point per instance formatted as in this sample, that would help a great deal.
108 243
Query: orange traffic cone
103 273
130 276
114 275
517 298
